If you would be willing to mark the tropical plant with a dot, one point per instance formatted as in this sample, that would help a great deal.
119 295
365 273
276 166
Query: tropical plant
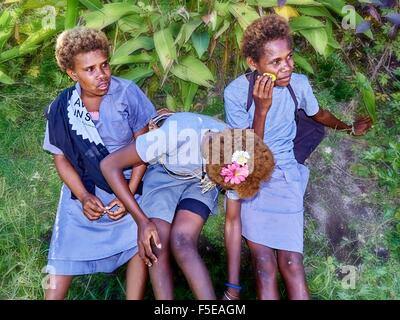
175 47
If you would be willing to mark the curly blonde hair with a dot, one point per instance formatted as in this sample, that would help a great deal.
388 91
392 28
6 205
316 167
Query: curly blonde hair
268 28
222 145
79 40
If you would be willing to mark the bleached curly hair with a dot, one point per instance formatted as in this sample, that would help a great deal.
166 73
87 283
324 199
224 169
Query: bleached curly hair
79 40
222 145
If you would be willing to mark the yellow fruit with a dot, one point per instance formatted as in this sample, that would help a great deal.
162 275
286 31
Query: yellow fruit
271 75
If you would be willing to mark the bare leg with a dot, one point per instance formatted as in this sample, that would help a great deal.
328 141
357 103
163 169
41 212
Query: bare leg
292 270
266 269
59 286
185 233
160 271
136 278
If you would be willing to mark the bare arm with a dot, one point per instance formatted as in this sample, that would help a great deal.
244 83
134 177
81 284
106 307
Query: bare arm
136 177
92 206
112 168
233 242
262 93
326 118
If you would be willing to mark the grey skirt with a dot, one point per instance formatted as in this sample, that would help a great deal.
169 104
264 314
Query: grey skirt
274 217
162 194
80 246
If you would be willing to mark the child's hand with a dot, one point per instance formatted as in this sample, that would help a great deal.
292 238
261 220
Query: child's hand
92 207
262 92
117 214
147 231
361 126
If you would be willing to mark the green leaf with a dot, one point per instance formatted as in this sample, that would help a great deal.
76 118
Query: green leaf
367 94
274 3
92 4
186 31
193 70
134 24
304 22
5 78
200 40
223 29
6 27
130 46
171 103
188 91
143 57
238 35
316 12
318 39
109 14
244 14
71 15
165 47
137 74
303 63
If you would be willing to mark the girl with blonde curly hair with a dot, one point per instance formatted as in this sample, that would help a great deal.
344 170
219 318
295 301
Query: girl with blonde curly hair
98 115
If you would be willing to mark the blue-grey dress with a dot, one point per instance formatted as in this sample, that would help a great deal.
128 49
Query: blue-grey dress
274 217
177 146
78 245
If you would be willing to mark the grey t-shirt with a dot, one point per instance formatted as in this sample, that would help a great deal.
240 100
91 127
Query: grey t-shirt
280 125
177 143
124 110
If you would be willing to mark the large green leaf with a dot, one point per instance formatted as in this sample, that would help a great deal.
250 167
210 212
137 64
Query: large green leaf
317 37
274 3
5 78
71 15
164 44
303 63
317 12
143 57
244 14
6 27
134 24
16 52
130 46
200 40
304 22
367 94
109 14
193 70
92 4
188 91
186 31
137 74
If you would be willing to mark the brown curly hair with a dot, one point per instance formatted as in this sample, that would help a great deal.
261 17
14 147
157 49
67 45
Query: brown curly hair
222 145
268 28
79 40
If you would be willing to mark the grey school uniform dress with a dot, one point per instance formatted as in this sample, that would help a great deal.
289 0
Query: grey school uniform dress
274 217
78 245
177 165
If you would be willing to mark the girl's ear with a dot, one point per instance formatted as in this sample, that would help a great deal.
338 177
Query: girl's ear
252 65
72 74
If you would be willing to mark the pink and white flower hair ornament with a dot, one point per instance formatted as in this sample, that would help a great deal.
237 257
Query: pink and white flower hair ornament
238 170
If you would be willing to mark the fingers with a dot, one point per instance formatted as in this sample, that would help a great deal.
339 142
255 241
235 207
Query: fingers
142 255
117 214
263 87
148 251
156 239
92 211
